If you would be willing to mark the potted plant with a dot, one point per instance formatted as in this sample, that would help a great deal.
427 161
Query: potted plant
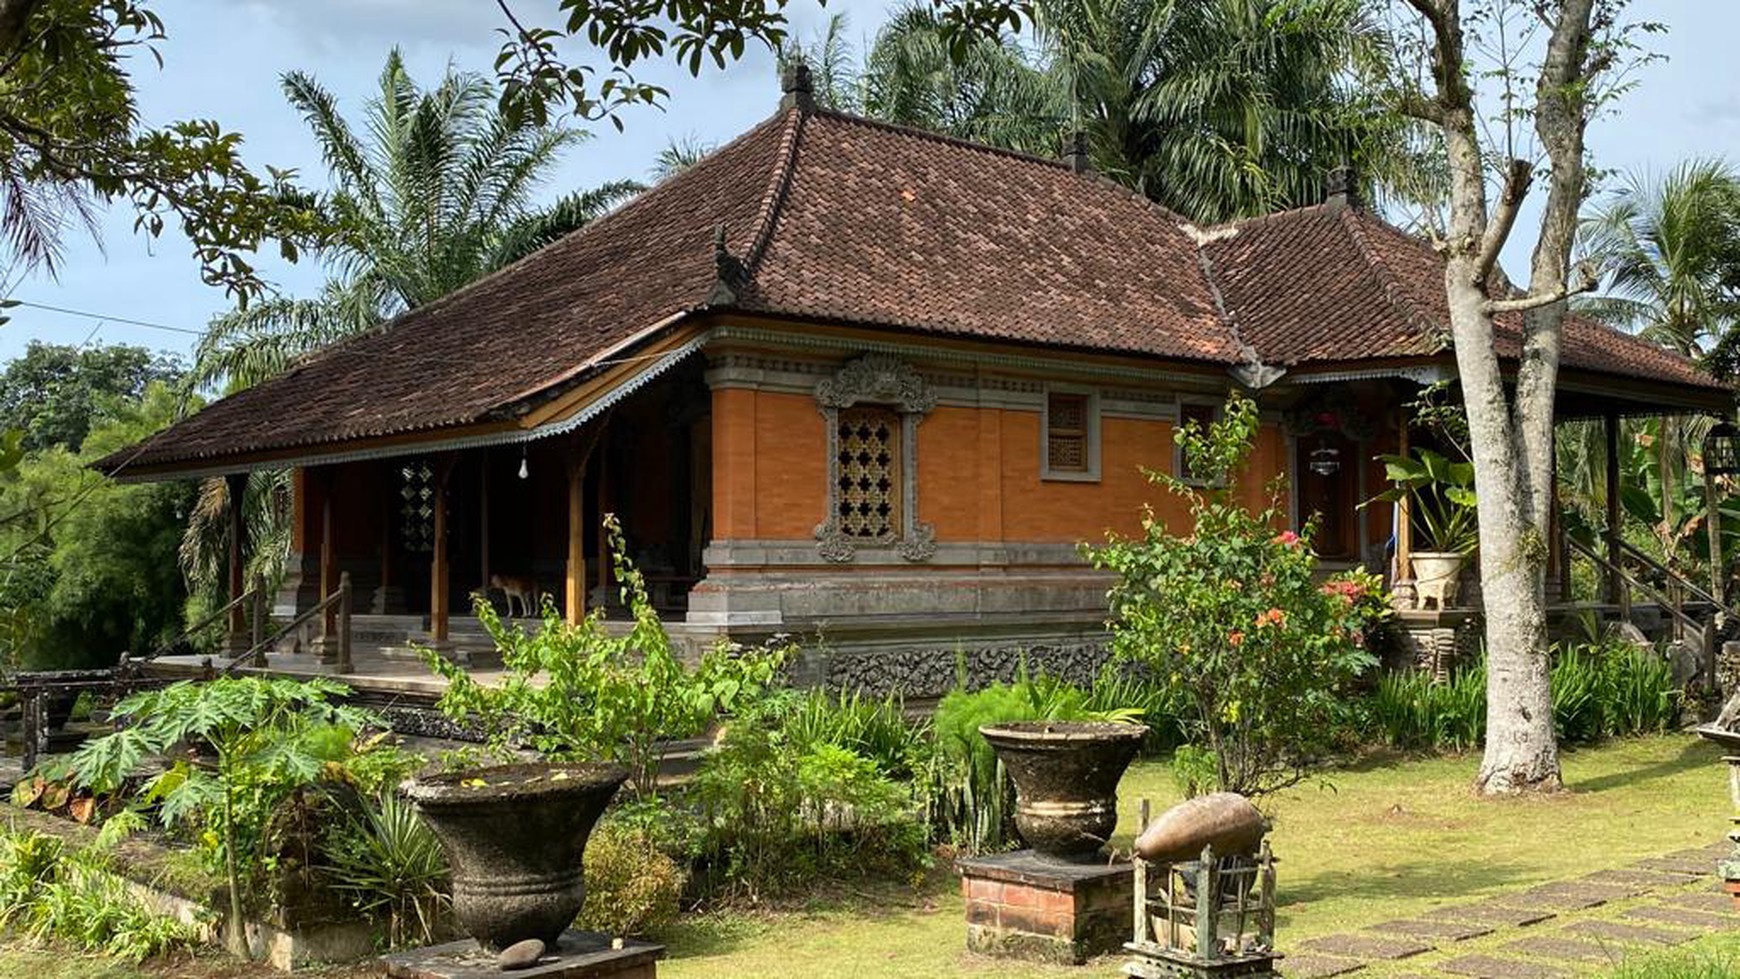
1442 498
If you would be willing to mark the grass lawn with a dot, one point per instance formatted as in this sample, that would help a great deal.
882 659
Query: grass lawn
1394 836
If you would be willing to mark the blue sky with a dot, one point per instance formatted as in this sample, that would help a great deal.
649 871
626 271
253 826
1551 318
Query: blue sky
223 59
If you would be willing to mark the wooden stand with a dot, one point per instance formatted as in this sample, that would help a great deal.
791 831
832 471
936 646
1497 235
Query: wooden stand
1210 917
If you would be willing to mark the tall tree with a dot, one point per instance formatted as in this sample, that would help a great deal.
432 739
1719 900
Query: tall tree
55 392
1511 427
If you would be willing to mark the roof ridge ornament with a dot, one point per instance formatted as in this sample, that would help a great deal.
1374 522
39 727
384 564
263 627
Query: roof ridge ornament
798 86
1075 151
1339 189
729 273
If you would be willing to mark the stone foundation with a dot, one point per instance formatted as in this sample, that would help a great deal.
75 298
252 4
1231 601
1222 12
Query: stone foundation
1435 642
1021 905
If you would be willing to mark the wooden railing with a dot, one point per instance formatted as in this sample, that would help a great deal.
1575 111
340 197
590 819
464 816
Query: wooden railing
254 600
334 611
1672 600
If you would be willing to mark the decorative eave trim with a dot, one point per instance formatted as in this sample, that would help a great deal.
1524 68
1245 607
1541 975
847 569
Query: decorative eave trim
563 426
1421 374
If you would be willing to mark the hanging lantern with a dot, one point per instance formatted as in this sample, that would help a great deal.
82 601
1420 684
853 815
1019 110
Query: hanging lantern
1722 450
524 469
1325 461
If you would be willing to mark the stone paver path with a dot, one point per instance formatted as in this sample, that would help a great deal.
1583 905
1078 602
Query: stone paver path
1551 931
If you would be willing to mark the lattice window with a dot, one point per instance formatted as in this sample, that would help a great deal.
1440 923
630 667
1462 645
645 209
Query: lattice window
869 473
1066 433
417 507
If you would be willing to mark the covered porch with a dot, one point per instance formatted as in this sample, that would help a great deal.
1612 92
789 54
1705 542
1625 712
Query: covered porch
389 549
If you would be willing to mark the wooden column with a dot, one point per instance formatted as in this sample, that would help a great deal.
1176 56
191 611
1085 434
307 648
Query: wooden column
1615 586
439 568
328 557
1404 521
606 504
235 489
483 521
574 584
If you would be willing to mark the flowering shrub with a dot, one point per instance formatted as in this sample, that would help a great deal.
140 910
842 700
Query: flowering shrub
1233 616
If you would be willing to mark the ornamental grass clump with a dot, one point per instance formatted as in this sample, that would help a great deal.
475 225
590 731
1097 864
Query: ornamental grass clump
1231 614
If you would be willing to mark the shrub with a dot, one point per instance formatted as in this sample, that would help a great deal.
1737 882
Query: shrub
632 887
49 890
972 799
577 693
1232 615
1600 690
271 738
1410 710
779 813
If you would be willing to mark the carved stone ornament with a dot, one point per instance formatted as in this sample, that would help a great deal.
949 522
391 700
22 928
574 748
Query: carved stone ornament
880 380
877 379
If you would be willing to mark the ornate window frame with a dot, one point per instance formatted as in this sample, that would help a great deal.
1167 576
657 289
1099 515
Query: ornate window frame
876 379
1090 473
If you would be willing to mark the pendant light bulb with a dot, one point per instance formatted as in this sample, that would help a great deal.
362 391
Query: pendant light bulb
524 471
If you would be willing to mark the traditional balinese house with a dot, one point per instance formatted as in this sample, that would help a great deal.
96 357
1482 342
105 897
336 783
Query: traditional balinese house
862 384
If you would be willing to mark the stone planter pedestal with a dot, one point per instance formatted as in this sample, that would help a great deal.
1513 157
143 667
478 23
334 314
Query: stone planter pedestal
1026 906
579 955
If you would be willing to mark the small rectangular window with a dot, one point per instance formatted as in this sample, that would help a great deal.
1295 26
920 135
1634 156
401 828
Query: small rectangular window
1066 444
1069 444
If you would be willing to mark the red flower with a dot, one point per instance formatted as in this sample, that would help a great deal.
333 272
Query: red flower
1236 637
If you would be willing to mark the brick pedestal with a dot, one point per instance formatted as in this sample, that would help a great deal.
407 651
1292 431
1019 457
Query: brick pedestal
1021 905
579 955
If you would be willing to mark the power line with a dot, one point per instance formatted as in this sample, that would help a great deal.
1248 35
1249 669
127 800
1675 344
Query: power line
108 318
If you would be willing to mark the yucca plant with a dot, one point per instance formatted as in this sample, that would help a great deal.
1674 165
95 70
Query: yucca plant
386 860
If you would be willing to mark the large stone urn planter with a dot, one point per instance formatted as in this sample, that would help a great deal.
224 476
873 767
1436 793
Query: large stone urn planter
515 836
1066 781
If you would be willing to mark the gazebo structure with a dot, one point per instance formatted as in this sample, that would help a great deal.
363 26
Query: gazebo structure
846 379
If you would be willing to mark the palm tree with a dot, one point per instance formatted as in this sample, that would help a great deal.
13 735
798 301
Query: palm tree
436 191
439 194
1216 108
1221 109
990 93
1669 251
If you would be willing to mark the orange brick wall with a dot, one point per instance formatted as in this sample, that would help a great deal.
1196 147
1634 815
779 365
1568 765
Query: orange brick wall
770 465
978 473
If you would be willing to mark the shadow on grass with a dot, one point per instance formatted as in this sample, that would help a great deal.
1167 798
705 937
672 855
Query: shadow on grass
1452 881
1695 753
731 927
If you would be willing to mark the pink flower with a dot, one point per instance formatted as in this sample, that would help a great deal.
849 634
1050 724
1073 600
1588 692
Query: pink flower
1288 538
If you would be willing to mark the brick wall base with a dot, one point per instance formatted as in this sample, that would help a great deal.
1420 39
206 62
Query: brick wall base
1021 905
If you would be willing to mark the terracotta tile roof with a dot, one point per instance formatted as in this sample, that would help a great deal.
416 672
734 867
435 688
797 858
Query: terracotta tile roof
846 220
1324 285
897 227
